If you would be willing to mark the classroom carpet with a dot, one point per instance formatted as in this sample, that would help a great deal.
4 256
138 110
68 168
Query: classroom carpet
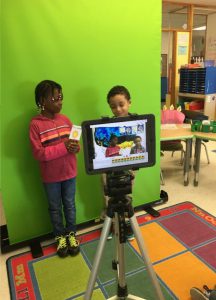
181 245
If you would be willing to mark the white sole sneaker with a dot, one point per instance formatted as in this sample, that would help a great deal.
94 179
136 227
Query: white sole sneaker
197 294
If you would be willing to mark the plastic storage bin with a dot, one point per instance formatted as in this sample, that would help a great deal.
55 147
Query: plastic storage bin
209 63
196 105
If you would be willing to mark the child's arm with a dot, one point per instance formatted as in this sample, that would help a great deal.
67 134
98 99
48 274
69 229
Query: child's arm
45 153
132 150
107 152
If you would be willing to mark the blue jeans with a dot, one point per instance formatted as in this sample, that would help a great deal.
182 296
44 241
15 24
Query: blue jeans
62 194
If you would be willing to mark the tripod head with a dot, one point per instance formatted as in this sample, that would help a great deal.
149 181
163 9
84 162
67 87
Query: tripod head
119 184
118 188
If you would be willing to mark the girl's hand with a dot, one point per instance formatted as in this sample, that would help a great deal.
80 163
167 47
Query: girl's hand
72 146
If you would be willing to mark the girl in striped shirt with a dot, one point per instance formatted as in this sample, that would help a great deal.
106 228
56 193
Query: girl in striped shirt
56 153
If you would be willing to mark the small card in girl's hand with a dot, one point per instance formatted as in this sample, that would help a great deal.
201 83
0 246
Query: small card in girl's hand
75 133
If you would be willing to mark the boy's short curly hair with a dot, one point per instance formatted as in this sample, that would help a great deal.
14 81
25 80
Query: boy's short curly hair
137 137
118 89
44 89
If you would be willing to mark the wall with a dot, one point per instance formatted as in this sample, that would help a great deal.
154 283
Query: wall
166 48
87 46
182 51
166 44
211 38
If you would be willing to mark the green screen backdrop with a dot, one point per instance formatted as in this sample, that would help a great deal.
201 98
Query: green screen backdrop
88 47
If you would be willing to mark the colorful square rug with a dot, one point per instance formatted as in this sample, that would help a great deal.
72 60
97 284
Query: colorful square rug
181 245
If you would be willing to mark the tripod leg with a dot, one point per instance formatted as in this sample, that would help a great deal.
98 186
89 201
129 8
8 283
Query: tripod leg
143 250
97 259
119 227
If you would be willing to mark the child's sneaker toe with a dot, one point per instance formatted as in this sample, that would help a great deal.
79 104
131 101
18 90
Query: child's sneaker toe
73 244
62 247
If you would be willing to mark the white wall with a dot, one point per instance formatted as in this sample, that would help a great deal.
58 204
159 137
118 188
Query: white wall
166 44
211 38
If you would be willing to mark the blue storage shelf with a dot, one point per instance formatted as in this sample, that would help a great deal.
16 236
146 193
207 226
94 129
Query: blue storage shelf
198 81
164 87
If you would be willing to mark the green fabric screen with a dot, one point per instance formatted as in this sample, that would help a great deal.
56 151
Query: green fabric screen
88 47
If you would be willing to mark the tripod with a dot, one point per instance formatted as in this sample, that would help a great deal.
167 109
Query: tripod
117 207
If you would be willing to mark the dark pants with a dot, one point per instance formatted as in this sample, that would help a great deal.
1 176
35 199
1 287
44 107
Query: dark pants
62 194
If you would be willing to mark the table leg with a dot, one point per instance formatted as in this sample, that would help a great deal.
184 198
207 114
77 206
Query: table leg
197 161
187 161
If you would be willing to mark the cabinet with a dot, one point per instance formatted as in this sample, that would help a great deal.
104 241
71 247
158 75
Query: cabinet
199 85
198 81
164 88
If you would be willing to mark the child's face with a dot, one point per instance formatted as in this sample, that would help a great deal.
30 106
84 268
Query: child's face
119 105
137 142
53 104
114 141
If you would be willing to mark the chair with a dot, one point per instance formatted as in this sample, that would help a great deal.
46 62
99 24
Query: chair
161 177
190 116
171 116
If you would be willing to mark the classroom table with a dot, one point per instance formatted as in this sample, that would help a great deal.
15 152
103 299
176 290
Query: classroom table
170 132
199 137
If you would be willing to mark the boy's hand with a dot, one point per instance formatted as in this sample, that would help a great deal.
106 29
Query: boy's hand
72 146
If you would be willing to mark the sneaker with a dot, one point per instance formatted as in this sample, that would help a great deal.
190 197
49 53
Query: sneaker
73 244
110 236
207 291
130 237
129 231
197 294
62 248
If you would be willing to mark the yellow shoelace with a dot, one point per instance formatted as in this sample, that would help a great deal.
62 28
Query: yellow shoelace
62 242
73 241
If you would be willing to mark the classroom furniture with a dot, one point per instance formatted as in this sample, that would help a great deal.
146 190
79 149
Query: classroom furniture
161 177
183 131
199 137
198 84
164 77
164 88
190 116
172 116
198 80
170 132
